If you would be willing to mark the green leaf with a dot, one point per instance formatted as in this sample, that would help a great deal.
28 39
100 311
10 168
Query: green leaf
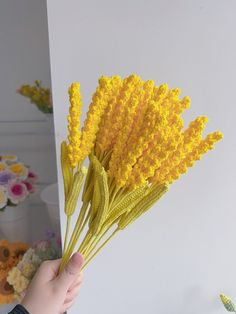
9 203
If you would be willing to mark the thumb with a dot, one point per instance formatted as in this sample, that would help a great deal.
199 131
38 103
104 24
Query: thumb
71 271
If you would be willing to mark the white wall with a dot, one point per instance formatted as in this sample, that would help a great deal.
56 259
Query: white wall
181 255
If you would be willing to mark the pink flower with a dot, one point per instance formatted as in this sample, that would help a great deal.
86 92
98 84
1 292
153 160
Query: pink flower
17 192
32 177
30 187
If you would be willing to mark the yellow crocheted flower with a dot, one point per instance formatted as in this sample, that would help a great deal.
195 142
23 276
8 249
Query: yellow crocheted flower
82 142
10 255
103 138
188 140
6 255
228 304
97 107
19 169
6 292
3 166
74 153
28 270
19 249
17 280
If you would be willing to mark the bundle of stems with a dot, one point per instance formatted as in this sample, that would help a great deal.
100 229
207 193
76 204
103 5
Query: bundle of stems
137 146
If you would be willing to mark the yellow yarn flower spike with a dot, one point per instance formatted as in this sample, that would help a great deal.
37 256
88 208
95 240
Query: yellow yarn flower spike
228 304
136 143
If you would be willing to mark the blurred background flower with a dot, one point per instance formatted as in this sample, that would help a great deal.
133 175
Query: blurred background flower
17 181
38 95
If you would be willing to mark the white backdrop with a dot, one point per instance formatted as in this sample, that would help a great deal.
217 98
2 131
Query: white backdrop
181 255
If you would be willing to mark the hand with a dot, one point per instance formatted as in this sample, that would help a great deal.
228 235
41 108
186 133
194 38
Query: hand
53 293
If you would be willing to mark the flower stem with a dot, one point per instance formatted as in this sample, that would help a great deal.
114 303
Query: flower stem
79 226
95 242
68 220
79 221
100 248
85 242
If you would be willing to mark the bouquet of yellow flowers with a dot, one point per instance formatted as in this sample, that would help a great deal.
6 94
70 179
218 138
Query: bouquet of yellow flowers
133 135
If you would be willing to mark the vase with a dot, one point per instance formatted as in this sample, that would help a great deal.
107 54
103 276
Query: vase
49 196
15 223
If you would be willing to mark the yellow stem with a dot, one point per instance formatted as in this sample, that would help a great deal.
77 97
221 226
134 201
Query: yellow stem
75 235
113 196
85 241
105 159
89 244
81 230
94 243
110 183
120 194
99 249
68 220
79 221
101 156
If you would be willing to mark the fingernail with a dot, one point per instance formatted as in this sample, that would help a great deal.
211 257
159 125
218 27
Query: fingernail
77 258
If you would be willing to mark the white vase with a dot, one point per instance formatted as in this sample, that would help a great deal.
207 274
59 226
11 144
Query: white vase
50 196
15 223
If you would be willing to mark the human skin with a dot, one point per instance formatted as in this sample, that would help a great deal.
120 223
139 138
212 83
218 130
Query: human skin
51 292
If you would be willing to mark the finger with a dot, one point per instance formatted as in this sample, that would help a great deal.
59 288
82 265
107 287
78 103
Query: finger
66 306
77 282
48 270
75 286
70 296
71 271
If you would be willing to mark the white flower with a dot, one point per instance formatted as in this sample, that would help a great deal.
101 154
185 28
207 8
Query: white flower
16 191
3 197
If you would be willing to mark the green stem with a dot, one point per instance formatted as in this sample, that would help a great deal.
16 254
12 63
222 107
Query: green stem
79 221
119 196
80 224
85 241
82 228
105 159
113 196
68 220
99 249
89 244
95 242
78 232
